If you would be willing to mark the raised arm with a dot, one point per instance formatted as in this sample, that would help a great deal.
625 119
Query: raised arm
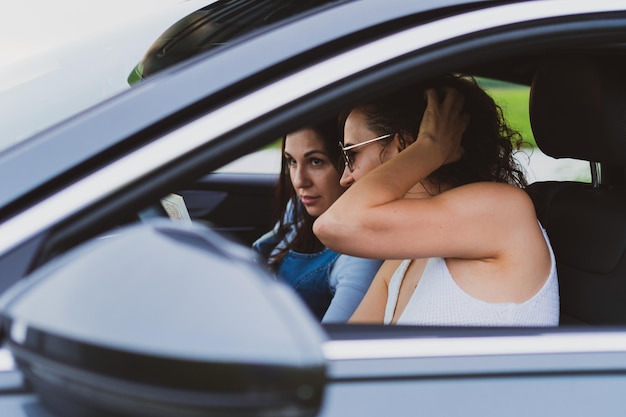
376 217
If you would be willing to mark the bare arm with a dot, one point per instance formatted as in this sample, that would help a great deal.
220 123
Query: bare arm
372 307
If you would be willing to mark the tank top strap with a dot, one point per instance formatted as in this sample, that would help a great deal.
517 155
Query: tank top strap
394 289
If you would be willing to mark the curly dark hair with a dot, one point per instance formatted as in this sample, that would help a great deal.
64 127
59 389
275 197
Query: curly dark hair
305 240
488 141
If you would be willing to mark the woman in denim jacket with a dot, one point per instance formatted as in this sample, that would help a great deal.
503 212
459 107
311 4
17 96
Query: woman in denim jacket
331 284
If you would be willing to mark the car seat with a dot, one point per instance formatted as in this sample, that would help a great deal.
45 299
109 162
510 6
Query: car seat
578 110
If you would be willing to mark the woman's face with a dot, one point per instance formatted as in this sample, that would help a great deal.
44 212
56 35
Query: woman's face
314 178
367 157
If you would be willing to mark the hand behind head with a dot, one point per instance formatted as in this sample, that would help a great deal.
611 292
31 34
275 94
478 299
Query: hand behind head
443 123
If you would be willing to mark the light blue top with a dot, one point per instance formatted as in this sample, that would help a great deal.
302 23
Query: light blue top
350 277
348 280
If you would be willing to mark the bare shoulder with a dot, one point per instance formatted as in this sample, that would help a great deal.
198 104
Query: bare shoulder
492 194
499 188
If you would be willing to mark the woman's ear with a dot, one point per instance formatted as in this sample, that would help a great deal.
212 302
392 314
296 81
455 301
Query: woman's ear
403 140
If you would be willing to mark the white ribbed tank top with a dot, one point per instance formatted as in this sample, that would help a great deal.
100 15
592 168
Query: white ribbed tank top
439 301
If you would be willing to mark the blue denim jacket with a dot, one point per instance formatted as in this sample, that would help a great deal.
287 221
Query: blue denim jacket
332 285
309 275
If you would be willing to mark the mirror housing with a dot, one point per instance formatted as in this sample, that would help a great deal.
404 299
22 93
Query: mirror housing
163 319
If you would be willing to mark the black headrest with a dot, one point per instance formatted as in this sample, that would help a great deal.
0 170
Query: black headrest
578 109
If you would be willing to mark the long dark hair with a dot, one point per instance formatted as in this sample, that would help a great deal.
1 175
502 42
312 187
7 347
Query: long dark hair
305 240
488 141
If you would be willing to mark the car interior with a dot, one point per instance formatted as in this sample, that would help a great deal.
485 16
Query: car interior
584 219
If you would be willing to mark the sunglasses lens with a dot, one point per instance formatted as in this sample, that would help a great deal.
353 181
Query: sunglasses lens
348 154
349 157
346 158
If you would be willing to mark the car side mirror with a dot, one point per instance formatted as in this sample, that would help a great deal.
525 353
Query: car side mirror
163 319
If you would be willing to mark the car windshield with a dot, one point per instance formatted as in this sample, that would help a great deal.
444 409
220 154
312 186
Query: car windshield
62 57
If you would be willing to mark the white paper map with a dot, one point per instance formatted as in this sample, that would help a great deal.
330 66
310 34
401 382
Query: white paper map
175 208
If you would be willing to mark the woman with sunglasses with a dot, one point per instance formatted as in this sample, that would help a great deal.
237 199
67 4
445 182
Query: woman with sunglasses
441 199
332 285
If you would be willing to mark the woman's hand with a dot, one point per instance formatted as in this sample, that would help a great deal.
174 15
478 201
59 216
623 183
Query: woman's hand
443 124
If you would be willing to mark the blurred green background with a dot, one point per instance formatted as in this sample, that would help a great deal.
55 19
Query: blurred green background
513 99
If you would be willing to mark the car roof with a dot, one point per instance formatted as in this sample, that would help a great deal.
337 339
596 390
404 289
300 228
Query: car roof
166 98
224 21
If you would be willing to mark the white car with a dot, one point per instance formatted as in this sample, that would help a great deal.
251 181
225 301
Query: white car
107 310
